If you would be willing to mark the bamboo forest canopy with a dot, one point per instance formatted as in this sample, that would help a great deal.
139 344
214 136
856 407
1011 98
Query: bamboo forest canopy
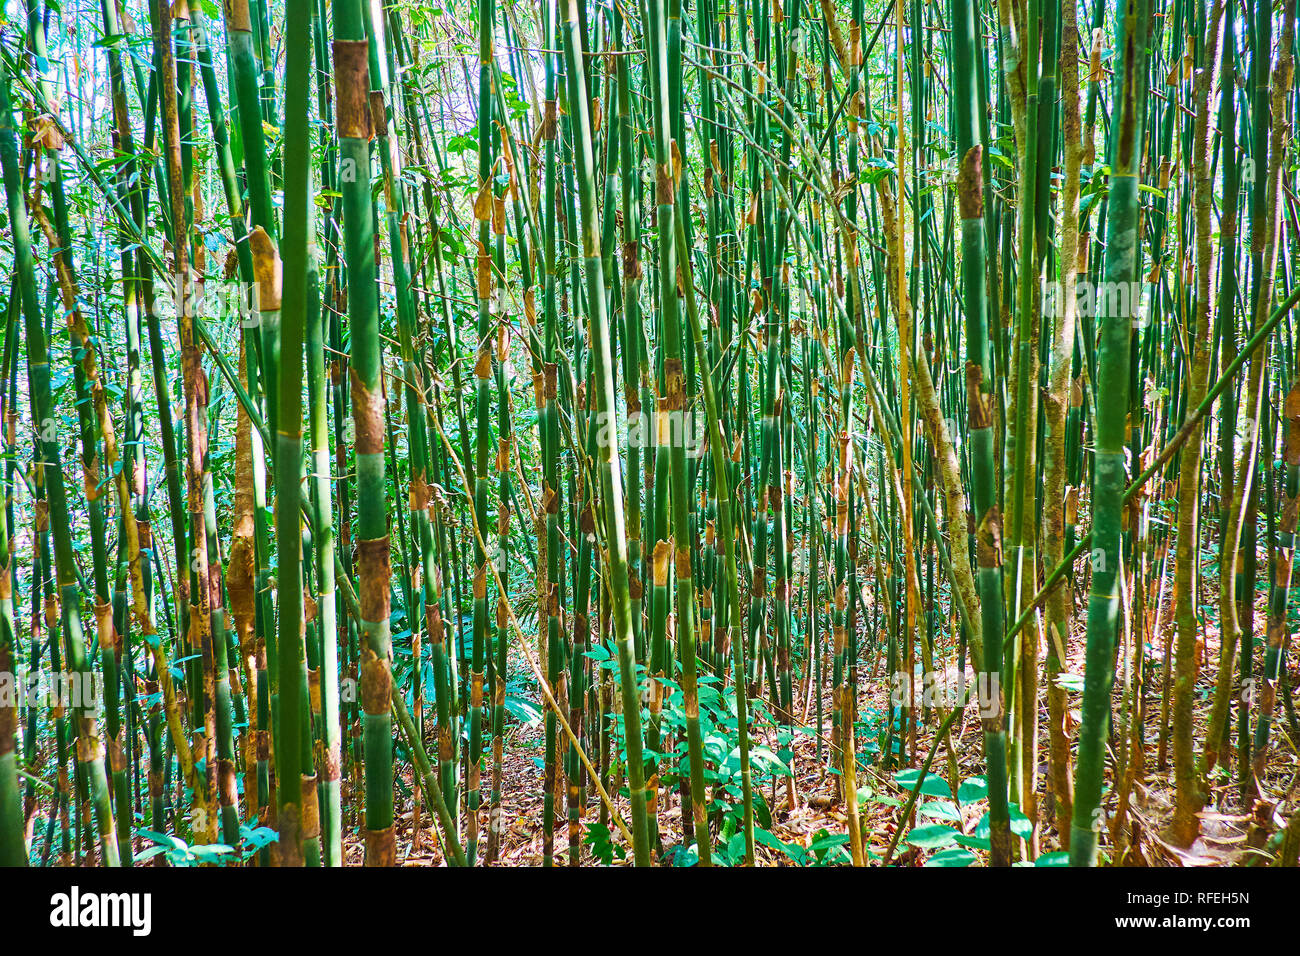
655 432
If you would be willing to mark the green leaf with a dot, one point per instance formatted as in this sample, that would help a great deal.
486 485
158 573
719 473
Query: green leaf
1021 825
522 710
828 841
150 853
736 847
769 839
170 842
211 852
939 810
933 785
866 795
602 847
953 857
598 652
972 789
1070 682
933 836
764 756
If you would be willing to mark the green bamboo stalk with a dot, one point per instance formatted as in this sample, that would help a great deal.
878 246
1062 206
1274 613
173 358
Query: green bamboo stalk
353 121
615 561
1122 257
89 750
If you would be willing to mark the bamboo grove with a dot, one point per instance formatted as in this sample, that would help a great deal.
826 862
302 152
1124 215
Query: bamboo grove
625 429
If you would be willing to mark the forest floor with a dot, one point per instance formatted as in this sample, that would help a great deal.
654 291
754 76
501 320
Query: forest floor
1227 831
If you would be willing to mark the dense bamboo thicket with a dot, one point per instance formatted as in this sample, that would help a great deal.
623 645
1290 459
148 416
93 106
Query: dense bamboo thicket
722 432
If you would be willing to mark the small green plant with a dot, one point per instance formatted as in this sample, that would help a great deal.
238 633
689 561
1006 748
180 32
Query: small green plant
177 852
